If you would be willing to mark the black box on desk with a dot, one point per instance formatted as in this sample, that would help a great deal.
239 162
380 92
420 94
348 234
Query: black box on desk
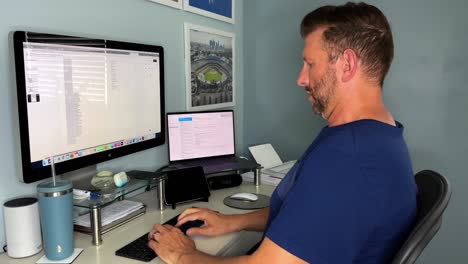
224 181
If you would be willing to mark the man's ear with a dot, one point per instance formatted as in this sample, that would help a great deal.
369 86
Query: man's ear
348 65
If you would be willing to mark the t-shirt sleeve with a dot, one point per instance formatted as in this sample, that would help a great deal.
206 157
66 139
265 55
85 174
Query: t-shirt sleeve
325 216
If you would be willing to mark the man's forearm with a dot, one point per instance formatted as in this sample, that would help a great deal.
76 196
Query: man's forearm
254 221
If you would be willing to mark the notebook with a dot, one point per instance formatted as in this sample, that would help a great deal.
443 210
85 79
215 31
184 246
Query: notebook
204 139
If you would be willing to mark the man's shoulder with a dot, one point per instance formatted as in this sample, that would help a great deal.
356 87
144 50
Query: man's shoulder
356 147
363 134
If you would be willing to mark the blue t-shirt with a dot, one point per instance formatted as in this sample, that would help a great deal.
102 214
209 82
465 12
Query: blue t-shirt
351 198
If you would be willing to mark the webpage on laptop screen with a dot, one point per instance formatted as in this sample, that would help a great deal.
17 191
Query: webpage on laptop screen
199 135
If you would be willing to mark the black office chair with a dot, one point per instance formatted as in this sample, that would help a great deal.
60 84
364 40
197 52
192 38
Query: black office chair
433 196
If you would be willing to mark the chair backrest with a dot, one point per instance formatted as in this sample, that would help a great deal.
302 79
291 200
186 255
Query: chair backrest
433 196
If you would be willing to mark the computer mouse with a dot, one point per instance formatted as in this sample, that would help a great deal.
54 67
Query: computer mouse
244 197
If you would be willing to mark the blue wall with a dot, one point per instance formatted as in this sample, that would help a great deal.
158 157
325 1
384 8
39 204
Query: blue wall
426 90
134 21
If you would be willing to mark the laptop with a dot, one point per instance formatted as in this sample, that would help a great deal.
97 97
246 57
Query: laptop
204 139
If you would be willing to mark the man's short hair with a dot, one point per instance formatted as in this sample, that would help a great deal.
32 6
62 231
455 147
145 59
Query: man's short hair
357 26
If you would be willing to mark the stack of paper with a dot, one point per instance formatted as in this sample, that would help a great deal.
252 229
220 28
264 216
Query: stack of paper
273 170
282 169
110 213
264 178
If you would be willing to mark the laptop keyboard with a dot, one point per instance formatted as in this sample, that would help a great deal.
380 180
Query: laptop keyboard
138 249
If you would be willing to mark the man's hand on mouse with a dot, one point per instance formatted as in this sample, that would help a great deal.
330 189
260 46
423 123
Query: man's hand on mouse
215 223
169 243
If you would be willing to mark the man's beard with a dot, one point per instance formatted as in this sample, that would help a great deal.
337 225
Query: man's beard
323 91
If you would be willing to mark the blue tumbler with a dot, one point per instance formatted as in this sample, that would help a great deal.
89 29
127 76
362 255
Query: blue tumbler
56 213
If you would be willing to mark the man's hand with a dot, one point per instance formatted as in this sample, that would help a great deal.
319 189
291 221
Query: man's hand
215 223
170 243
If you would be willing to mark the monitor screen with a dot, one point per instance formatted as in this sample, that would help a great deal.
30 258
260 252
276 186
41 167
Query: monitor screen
82 101
200 134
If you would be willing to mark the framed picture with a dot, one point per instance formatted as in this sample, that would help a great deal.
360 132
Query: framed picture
209 68
172 3
218 9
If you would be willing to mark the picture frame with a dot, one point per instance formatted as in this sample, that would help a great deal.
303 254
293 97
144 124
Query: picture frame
218 9
172 3
209 68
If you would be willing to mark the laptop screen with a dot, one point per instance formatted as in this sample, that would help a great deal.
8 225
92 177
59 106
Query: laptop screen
200 134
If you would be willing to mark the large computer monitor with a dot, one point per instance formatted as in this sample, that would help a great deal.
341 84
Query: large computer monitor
82 101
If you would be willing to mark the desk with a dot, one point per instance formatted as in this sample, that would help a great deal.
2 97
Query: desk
226 245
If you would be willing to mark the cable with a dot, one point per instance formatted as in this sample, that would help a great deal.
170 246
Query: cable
159 171
5 248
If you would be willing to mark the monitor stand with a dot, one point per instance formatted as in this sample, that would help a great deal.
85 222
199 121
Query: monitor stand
82 180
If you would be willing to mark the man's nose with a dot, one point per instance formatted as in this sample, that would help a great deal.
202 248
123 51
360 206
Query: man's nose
303 79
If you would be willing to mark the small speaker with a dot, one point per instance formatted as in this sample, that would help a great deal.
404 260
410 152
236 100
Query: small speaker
22 226
224 181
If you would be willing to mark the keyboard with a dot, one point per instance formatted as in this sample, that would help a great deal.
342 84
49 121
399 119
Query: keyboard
138 249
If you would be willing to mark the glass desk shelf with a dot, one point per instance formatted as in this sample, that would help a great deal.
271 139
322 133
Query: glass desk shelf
105 198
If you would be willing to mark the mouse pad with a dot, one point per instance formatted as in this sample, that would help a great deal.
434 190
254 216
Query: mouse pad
263 201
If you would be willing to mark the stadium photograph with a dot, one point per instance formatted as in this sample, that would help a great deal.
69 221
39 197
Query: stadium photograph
211 69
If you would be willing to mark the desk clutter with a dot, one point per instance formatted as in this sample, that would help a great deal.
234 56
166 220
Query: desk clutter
111 213
107 204
103 183
118 238
273 169
108 180
174 185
